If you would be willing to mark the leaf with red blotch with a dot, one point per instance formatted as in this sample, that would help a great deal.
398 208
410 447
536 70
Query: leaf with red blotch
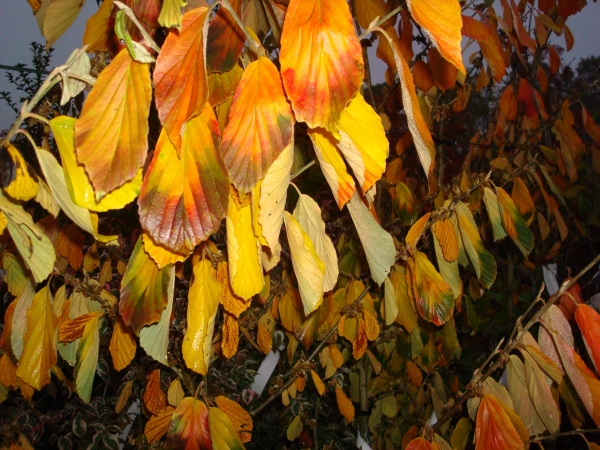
489 42
225 40
189 429
184 198
589 323
433 296
144 290
181 85
115 119
494 429
321 60
442 22
260 125
419 444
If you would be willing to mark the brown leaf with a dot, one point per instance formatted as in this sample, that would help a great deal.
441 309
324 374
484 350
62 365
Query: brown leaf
72 329
154 398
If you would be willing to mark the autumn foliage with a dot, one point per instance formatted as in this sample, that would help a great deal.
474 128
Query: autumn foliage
216 183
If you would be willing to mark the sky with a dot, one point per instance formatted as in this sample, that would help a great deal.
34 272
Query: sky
18 28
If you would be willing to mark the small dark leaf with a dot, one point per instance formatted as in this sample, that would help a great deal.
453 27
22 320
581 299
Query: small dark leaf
79 426
64 443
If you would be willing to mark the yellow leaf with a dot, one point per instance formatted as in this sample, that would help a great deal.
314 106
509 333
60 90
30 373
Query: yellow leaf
332 165
203 300
40 341
115 119
245 271
71 329
415 231
390 302
175 393
264 339
161 255
377 243
239 417
318 382
223 433
308 267
231 302
363 142
95 28
321 60
170 14
158 425
294 428
77 180
493 210
371 326
446 235
273 192
344 404
433 296
122 345
308 215
22 182
87 359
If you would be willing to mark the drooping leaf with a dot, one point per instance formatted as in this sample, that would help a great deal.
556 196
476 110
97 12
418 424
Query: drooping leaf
308 267
87 359
522 199
232 303
433 296
520 395
19 181
154 339
589 323
446 236
494 429
144 290
273 192
390 302
245 270
460 435
154 397
115 119
483 262
225 40
203 300
223 433
363 142
239 417
407 316
415 232
189 429
184 195
489 42
54 17
344 404
260 126
332 165
513 223
377 243
321 60
231 335
76 178
95 28
40 341
34 246
491 203
308 215
122 345
181 87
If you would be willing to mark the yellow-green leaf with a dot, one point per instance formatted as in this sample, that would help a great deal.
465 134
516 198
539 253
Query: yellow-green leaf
433 296
514 224
491 203
87 359
223 433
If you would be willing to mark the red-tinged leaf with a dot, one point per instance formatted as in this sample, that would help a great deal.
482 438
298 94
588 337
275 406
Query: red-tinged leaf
525 99
260 125
442 21
524 38
144 290
321 60
489 42
189 429
184 198
155 399
181 86
508 103
225 40
115 119
589 323
494 429
433 296
513 223
419 444
443 73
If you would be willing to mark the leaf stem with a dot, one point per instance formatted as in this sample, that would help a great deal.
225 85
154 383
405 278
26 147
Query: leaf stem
306 167
375 25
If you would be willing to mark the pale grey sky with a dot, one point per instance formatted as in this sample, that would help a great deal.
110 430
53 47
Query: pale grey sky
18 28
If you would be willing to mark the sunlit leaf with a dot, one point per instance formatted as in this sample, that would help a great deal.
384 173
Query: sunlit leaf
494 429
115 119
19 181
161 255
122 345
363 142
260 125
433 296
95 29
40 341
513 223
87 359
308 267
78 183
203 300
225 40
144 290
223 433
181 87
189 429
239 417
184 195
377 243
321 60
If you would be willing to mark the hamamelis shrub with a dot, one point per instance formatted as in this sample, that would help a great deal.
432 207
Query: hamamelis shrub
233 186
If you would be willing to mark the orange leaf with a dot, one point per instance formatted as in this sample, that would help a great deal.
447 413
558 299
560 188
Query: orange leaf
359 339
95 29
222 86
189 429
554 59
260 125
155 399
508 103
158 425
416 230
70 330
589 323
489 42
8 374
419 444
415 375
494 429
371 326
433 296
522 199
446 235
239 417
122 345
344 404
230 332
184 198
422 76
590 127
115 119
70 245
321 60
225 40
181 86
442 22
443 73
318 382
232 303
264 339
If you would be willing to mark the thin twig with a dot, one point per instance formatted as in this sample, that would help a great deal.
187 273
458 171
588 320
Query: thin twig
566 433
306 167
375 25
